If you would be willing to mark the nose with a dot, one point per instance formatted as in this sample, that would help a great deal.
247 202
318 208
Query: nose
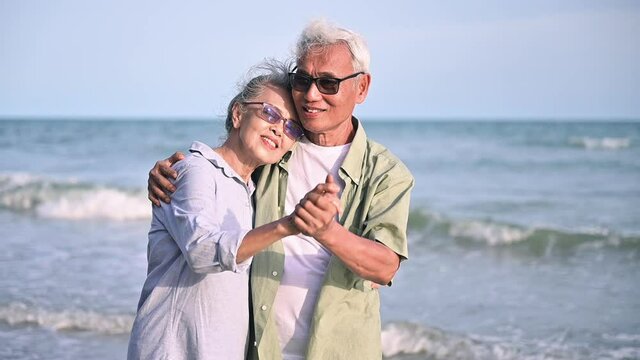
312 93
278 128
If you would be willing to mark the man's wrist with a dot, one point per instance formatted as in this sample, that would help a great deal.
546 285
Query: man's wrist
331 234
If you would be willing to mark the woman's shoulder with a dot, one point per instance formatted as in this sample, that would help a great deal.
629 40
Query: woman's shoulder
195 164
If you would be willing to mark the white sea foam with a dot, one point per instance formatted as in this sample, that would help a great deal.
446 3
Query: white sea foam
490 233
402 340
102 203
605 143
625 353
70 199
398 338
67 320
622 337
409 338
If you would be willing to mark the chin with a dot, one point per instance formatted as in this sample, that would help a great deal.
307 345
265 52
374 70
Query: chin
271 158
314 125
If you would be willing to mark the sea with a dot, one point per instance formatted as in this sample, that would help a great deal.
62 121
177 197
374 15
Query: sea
524 236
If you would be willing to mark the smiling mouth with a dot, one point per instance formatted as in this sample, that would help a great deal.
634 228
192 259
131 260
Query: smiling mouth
270 142
312 110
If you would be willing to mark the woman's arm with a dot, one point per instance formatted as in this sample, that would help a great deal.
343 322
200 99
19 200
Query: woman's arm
261 237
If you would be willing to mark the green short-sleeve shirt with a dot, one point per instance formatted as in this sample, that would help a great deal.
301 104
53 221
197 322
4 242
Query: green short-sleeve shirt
375 202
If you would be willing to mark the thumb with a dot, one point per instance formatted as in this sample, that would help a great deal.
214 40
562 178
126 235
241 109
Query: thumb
332 186
329 179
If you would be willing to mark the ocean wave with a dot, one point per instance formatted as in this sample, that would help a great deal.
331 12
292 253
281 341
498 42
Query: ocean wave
537 239
19 314
404 338
622 337
70 199
604 143
399 340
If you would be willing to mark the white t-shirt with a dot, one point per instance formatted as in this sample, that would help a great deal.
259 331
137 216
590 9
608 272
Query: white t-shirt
306 260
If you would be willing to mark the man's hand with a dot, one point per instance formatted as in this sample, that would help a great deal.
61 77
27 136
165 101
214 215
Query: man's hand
316 212
159 185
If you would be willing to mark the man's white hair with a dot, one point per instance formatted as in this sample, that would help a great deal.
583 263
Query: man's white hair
319 34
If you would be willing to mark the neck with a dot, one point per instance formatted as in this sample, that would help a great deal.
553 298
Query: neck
341 135
241 165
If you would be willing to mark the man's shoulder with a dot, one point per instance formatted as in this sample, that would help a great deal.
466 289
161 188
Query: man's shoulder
384 159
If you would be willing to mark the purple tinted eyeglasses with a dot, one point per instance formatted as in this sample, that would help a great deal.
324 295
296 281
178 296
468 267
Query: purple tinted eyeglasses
271 114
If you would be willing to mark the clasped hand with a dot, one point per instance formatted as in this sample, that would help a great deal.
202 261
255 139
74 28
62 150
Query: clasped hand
315 214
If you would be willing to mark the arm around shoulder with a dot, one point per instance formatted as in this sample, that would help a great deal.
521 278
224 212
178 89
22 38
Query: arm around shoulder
191 220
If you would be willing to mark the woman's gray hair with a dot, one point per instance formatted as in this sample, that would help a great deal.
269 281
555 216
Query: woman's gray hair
270 72
320 33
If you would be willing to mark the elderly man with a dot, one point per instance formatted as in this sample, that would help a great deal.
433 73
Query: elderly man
314 295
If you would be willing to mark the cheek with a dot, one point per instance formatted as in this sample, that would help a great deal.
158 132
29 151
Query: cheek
344 103
252 127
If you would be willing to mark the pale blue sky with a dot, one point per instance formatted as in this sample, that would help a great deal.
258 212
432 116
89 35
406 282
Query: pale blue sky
430 59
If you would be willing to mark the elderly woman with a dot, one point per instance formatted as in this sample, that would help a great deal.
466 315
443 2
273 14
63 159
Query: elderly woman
194 302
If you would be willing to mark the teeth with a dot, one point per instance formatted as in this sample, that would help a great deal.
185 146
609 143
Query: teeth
271 142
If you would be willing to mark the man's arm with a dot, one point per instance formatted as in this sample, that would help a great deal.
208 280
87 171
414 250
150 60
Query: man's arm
158 184
259 238
368 259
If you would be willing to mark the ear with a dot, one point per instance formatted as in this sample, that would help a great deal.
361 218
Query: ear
363 88
236 115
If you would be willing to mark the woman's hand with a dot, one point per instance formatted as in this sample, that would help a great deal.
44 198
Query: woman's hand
316 213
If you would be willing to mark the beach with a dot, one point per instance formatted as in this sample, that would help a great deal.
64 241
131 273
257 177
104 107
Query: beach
524 236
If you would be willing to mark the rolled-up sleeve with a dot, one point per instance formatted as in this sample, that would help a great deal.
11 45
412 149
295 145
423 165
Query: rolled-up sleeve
389 211
192 220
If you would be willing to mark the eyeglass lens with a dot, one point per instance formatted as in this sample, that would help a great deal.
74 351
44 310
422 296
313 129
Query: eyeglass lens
325 85
272 115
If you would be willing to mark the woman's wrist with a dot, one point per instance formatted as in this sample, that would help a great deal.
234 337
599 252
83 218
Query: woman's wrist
287 227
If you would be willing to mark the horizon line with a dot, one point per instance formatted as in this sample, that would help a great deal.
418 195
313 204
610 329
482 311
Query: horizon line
364 118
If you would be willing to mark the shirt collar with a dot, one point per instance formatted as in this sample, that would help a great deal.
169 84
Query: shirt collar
285 158
208 153
352 164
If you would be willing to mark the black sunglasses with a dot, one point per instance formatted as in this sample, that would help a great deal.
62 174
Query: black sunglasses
325 84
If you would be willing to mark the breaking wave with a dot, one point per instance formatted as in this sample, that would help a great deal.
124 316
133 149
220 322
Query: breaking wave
406 338
410 341
539 240
400 340
605 143
70 199
19 314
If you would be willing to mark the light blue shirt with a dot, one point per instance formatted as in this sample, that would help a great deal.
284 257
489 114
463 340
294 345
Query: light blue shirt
194 302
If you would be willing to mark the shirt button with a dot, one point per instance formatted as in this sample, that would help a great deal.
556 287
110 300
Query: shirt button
275 273
263 307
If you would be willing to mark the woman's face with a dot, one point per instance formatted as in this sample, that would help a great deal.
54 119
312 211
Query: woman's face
259 139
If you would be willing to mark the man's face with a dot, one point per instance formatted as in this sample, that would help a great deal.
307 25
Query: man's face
326 114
